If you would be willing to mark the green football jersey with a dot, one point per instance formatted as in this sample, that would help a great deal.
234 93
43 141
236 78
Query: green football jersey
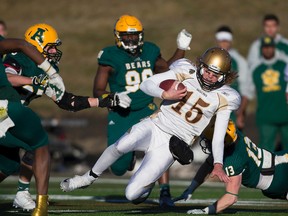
6 89
130 71
270 88
246 158
24 66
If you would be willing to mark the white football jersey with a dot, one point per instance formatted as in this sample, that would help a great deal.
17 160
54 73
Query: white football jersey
187 118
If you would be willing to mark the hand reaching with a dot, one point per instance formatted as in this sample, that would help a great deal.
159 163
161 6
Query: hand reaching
186 195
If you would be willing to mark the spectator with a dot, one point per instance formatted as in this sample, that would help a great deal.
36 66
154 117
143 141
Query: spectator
270 77
224 39
271 27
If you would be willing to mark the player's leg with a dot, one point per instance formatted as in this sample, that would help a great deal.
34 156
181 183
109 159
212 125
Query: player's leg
267 136
28 129
23 197
165 198
137 139
155 162
118 124
10 161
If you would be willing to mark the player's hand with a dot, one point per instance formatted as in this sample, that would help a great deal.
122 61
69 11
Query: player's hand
183 40
197 211
5 121
219 172
108 100
40 80
173 94
186 195
57 85
124 99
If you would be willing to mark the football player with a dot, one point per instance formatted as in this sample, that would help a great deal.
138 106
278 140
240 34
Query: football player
20 127
182 117
31 82
124 66
245 164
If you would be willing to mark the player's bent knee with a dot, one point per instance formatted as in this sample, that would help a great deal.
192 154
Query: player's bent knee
136 194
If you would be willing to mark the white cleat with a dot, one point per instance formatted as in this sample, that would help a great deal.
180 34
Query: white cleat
77 182
24 200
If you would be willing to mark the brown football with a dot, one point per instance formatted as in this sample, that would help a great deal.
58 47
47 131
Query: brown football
166 84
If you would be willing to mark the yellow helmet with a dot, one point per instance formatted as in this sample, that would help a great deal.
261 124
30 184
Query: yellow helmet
42 36
217 60
129 34
207 135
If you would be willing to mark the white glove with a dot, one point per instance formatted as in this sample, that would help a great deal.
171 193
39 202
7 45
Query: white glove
5 121
55 81
183 40
197 211
57 85
124 99
49 92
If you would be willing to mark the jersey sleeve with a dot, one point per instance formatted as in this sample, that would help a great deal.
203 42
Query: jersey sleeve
229 99
183 69
104 57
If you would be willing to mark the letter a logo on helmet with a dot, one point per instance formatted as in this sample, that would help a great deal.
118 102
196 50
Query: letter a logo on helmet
38 36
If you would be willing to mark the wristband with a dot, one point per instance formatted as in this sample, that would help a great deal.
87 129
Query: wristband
47 67
232 193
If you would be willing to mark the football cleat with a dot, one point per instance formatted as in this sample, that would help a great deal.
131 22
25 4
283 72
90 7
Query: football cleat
77 182
165 199
24 200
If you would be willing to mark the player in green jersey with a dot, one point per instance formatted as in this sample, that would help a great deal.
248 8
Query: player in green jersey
16 124
245 164
124 67
270 80
31 82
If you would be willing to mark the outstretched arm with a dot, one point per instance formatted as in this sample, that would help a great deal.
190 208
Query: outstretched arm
229 198
199 178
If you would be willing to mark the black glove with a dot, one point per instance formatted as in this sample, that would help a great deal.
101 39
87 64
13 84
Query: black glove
180 150
110 100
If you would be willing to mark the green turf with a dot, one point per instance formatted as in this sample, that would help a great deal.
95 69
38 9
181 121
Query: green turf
108 199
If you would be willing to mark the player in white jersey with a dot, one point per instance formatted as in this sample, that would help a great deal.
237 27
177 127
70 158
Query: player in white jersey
183 115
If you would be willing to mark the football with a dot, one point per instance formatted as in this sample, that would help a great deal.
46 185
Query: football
166 84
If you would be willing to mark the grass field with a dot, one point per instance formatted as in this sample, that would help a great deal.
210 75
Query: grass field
106 197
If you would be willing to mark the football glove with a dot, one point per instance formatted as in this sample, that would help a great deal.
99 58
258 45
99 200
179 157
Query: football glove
197 211
41 80
108 100
186 195
124 99
5 121
55 81
183 40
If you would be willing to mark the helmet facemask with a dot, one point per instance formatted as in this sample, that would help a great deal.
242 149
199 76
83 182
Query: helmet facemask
131 42
53 58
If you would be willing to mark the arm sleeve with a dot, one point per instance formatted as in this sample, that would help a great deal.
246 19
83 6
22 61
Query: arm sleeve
151 85
221 123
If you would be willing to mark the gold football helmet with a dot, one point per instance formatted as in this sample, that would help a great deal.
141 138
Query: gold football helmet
218 61
129 34
44 37
207 136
